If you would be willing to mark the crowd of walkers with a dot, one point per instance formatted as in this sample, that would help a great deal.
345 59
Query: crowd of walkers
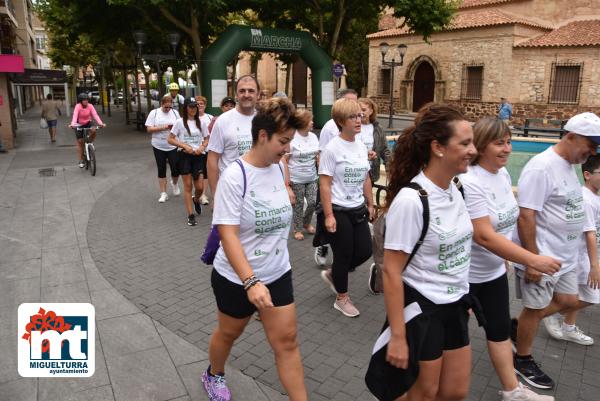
447 235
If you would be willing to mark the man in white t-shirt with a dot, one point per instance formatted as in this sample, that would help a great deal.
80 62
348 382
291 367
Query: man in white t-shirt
176 98
231 136
551 223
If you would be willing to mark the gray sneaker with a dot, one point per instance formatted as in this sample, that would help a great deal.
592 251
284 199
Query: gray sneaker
523 393
346 307
553 326
577 336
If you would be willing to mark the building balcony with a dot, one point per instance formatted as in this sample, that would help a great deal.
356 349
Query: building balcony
8 8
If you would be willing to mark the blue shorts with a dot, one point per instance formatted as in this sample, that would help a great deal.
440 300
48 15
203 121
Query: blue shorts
52 123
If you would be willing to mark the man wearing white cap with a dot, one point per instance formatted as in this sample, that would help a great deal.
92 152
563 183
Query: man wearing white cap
551 223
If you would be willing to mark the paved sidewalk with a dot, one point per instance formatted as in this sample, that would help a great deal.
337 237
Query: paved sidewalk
45 257
72 237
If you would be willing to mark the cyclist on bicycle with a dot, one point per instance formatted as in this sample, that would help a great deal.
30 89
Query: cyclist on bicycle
83 114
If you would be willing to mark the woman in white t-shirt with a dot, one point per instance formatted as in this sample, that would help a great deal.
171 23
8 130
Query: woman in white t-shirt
205 120
188 136
436 148
494 212
344 188
158 123
252 269
302 166
372 135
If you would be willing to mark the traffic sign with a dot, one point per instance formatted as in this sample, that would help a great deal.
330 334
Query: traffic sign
338 70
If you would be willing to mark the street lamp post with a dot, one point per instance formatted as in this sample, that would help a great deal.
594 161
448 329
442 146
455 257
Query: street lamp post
123 68
173 38
140 40
383 48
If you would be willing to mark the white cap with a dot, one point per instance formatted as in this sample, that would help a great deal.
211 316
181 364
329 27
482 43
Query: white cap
586 124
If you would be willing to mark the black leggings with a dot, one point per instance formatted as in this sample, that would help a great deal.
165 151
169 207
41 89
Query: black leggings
161 157
493 297
351 246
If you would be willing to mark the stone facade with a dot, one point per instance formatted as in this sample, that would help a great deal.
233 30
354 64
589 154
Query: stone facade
475 110
511 68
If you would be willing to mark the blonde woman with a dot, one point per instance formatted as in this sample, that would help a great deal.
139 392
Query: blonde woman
345 186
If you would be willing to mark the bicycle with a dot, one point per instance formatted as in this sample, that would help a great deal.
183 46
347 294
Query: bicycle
89 149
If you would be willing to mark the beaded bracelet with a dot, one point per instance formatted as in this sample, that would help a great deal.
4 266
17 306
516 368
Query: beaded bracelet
246 281
251 284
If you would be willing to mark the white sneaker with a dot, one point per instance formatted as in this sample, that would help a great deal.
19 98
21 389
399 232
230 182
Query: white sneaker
175 189
204 199
163 197
577 336
553 326
523 393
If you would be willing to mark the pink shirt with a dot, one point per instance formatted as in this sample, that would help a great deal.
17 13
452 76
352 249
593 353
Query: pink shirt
83 115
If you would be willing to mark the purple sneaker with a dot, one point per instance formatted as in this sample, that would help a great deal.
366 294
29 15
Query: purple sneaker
215 387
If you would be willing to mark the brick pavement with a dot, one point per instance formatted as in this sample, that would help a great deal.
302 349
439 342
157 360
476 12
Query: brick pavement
44 256
151 256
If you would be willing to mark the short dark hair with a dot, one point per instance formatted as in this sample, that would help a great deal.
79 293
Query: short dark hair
49 96
275 115
246 77
591 164
343 92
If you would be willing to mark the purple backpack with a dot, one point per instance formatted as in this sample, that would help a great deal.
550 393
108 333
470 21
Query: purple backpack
213 242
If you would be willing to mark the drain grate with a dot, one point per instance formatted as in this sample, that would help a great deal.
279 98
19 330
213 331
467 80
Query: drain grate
47 172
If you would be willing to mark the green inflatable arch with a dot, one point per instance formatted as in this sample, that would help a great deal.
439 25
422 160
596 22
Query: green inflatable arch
237 38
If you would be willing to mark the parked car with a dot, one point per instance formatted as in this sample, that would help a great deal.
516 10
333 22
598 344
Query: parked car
94 97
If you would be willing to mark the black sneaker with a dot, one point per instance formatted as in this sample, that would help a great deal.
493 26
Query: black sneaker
197 205
530 371
373 280
321 255
191 220
514 324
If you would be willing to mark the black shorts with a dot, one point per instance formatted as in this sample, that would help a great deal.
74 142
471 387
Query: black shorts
447 327
190 164
232 299
493 297
79 133
203 159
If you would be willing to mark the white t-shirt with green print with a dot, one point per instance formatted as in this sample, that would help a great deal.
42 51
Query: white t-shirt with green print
264 216
231 137
489 194
440 268
549 185
591 206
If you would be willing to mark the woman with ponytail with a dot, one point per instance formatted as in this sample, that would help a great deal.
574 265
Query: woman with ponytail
191 140
426 158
